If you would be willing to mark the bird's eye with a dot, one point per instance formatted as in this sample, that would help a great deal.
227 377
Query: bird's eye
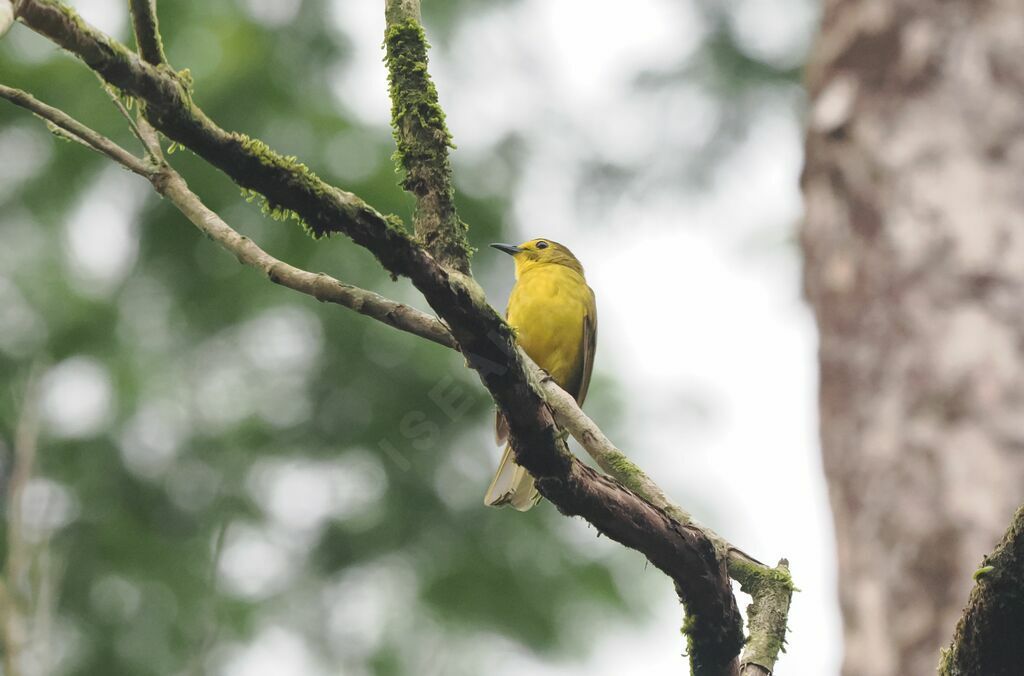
542 245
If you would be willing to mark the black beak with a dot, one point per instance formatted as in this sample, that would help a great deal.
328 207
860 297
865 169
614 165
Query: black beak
510 249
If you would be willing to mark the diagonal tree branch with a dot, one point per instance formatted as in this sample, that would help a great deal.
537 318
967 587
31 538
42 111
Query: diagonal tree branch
83 134
147 31
422 138
680 549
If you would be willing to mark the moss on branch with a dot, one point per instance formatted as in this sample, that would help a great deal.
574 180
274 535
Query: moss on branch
423 141
626 472
771 591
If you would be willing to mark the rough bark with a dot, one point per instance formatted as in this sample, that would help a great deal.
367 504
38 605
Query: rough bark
914 246
988 636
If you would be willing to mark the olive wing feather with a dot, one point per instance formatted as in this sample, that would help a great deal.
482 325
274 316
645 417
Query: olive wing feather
579 382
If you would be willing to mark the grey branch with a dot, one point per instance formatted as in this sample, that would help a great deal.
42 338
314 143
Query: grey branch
64 122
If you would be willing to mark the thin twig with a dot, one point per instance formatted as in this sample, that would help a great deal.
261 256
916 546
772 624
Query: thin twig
79 131
116 100
150 139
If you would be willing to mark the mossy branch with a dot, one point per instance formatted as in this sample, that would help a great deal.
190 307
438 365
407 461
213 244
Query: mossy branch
988 636
771 591
147 31
421 137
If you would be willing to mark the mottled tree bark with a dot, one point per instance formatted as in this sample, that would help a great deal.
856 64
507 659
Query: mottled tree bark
914 246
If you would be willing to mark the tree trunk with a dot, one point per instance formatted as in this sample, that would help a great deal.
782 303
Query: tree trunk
914 246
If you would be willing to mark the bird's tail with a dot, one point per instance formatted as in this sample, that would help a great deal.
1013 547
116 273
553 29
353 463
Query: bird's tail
512 485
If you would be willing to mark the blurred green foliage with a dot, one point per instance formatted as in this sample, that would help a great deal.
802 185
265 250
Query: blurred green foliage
254 459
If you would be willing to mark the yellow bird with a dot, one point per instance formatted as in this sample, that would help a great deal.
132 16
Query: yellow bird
554 315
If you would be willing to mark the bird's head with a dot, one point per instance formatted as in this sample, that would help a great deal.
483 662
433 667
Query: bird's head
540 252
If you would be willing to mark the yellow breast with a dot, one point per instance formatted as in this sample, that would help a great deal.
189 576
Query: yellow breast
547 308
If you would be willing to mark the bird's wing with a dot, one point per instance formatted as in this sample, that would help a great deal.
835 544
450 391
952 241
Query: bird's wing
588 349
500 429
